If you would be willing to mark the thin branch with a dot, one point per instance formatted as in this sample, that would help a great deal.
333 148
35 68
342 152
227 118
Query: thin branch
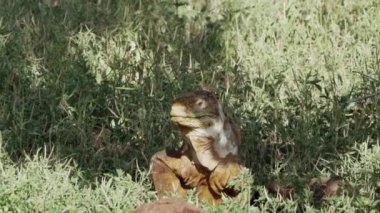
362 98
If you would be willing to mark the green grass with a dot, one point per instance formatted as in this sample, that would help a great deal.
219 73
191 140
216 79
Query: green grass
86 86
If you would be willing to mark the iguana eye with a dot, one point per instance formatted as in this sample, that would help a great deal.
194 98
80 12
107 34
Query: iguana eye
200 103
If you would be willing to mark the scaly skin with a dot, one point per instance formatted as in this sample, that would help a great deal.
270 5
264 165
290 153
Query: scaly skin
208 158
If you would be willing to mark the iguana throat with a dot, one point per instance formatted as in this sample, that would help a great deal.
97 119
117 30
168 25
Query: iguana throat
205 126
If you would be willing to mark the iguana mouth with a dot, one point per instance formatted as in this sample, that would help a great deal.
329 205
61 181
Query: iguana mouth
192 121
194 117
181 111
181 116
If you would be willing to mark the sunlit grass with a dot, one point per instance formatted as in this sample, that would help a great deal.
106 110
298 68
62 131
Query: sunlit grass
85 89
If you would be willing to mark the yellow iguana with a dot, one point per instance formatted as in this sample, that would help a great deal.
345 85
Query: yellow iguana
208 158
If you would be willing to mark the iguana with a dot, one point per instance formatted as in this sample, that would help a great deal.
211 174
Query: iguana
208 158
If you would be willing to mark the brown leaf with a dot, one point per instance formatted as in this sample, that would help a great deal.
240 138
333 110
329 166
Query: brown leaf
276 188
328 189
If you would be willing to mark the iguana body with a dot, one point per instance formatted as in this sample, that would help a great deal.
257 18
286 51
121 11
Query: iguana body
208 157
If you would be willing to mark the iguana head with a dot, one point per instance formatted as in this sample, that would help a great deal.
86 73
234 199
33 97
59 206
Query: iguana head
205 125
199 109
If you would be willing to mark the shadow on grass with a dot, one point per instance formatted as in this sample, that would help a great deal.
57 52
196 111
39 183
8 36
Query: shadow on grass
52 97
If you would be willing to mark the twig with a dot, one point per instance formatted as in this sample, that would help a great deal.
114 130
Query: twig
362 98
368 77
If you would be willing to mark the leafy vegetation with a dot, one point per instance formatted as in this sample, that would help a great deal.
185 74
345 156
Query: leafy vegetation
86 86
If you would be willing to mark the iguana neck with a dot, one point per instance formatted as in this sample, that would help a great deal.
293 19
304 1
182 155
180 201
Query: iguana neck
211 145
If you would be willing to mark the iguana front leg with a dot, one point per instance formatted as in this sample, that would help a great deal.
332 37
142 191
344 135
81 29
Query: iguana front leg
174 172
223 172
